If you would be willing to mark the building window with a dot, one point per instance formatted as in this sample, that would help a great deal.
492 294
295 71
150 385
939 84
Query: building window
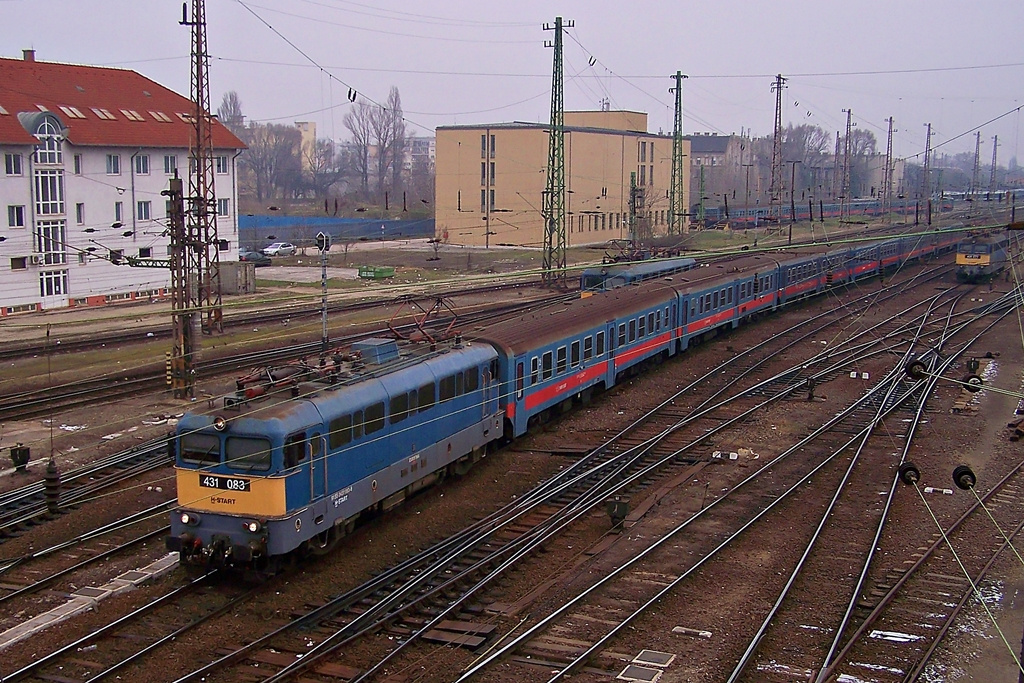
16 216
483 146
643 175
643 151
222 207
78 164
144 210
53 283
49 149
492 200
50 238
145 252
12 164
142 164
483 172
49 192
113 164
170 164
118 211
483 201
222 165
80 213
650 175
492 173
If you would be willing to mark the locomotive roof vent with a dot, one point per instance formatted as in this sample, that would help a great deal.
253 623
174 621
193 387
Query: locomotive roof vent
376 350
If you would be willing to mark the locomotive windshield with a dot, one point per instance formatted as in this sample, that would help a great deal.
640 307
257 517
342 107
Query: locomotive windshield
248 455
200 449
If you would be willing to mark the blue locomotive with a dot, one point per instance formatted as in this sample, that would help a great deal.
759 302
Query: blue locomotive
614 275
300 453
979 257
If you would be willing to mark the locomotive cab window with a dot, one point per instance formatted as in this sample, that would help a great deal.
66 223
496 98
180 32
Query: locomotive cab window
294 449
200 449
472 380
251 455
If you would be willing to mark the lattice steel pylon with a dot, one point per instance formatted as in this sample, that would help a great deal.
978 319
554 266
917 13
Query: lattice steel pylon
180 365
775 189
676 217
887 176
554 192
844 202
992 175
203 259
926 181
977 166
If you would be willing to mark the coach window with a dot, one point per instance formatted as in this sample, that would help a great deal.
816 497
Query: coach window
650 322
253 455
632 331
399 408
374 417
562 365
341 431
574 353
729 294
547 365
600 343
200 449
588 348
519 380
534 370
707 302
643 327
425 397
472 380
622 334
714 301
447 388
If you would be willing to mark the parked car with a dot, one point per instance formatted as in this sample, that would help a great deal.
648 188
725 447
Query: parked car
280 249
255 257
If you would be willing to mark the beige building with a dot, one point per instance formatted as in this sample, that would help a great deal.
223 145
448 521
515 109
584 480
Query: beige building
307 143
490 179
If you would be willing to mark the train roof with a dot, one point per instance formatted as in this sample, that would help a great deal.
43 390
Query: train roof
642 268
552 323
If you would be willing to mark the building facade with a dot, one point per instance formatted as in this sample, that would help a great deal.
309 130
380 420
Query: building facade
87 151
490 180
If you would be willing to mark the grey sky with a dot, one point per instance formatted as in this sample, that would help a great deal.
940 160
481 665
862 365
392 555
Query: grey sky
457 61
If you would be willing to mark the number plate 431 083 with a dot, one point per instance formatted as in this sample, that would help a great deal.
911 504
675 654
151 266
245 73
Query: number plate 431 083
224 483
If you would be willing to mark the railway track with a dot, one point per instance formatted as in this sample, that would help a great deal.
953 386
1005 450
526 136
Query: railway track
46 401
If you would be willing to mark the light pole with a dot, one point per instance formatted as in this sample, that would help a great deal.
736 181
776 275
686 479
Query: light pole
746 201
792 197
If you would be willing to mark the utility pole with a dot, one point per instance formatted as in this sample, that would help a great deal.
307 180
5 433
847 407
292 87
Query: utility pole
775 189
792 197
676 220
835 171
992 176
203 262
554 193
977 166
746 203
926 189
887 180
633 211
182 377
700 203
844 201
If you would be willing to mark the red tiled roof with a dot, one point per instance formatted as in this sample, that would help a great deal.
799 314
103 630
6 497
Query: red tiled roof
99 105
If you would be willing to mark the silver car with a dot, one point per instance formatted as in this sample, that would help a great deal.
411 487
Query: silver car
280 249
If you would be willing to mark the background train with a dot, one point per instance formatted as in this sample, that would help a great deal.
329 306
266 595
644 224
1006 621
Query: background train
357 433
980 257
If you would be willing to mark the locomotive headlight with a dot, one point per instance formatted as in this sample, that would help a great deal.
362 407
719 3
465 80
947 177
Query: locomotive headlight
219 423
189 518
253 527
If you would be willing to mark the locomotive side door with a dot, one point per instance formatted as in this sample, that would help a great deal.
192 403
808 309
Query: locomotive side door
317 464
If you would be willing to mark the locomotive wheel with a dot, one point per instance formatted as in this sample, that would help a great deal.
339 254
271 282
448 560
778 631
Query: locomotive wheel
324 542
909 474
963 477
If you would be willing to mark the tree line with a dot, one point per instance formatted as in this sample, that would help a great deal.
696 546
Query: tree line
375 166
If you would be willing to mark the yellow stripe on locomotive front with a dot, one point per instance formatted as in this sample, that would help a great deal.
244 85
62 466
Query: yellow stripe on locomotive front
973 259
264 497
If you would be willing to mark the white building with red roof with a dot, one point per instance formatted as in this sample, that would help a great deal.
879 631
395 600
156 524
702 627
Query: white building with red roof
86 152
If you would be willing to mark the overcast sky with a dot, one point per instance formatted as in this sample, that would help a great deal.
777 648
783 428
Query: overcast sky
954 64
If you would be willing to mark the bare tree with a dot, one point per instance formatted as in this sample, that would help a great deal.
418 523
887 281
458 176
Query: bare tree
272 158
359 122
322 167
230 113
388 137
